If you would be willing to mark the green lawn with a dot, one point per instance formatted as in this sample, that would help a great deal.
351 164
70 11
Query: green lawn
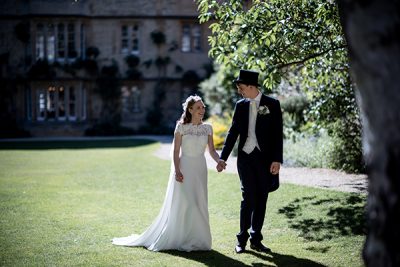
62 203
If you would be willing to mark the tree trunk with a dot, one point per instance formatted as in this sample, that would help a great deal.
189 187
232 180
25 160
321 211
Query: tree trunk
372 31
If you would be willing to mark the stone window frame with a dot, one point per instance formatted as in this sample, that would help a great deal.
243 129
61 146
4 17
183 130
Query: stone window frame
130 37
58 102
57 40
191 37
131 98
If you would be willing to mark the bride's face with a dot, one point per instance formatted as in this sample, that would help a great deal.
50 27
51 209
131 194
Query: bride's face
197 110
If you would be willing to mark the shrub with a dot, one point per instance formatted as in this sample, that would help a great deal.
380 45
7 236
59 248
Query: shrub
307 150
347 147
92 52
220 129
132 61
42 69
294 107
158 37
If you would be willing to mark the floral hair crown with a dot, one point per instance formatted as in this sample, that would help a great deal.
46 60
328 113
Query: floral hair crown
192 98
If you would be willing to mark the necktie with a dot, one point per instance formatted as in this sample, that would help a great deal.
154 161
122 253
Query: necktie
251 141
253 116
253 108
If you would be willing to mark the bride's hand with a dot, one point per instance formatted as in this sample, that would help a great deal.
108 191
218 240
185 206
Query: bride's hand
179 176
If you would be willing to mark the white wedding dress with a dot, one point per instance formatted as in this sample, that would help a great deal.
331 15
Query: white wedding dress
183 221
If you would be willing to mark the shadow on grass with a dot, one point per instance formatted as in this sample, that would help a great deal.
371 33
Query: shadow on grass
214 258
338 216
73 144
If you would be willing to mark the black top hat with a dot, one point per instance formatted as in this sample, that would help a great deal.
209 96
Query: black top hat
247 77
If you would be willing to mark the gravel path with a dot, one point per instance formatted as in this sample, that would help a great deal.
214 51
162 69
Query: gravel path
320 178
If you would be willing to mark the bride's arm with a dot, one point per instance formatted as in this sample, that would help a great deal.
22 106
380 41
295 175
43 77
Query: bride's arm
211 148
177 148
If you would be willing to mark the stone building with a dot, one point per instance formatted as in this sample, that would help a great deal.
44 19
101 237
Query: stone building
67 65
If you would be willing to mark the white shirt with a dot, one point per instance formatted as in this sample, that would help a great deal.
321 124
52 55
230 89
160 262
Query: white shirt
251 141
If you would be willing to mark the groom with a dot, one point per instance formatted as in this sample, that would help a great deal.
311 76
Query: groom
257 121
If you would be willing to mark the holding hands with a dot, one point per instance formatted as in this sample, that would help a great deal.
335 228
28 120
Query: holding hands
274 168
221 165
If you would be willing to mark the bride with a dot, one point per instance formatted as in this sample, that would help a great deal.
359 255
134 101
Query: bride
183 221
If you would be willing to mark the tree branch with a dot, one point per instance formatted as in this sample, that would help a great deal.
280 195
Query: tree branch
315 55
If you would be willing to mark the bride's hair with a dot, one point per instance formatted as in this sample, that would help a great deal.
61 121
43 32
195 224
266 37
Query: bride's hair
189 102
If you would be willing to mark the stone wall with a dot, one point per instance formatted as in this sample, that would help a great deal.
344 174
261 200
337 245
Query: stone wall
99 24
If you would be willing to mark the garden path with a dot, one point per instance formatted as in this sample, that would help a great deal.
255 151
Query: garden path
314 177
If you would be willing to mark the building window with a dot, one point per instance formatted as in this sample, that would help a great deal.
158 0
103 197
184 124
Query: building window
124 40
39 41
82 44
191 38
41 109
135 99
130 39
131 99
71 41
28 103
50 44
55 41
60 103
72 103
83 101
51 103
61 41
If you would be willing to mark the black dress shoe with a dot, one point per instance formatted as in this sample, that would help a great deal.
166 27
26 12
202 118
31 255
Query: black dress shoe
239 248
260 247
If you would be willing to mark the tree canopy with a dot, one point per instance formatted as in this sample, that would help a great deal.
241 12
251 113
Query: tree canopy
299 41
272 36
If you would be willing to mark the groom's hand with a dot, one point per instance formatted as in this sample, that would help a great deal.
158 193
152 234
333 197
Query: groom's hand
221 165
275 167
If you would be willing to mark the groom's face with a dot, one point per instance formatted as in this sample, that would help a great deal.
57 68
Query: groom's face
242 89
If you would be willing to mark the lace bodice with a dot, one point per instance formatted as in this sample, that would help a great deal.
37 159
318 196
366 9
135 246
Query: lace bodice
194 138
